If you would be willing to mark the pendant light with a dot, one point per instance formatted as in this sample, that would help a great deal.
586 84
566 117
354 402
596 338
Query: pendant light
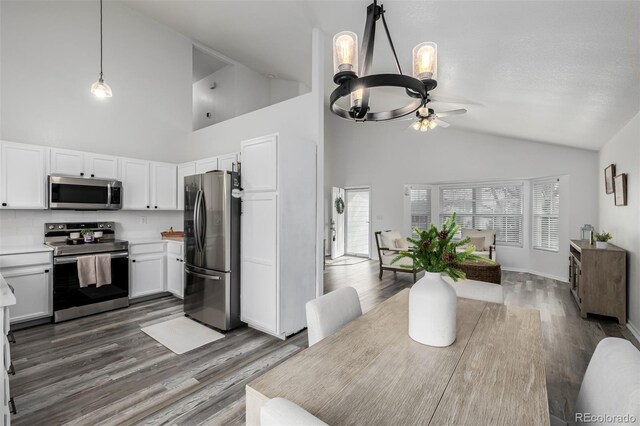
352 73
101 89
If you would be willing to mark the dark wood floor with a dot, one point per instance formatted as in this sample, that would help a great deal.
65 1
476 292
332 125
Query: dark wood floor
103 370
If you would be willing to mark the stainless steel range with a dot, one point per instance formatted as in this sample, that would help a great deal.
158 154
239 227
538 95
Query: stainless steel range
70 300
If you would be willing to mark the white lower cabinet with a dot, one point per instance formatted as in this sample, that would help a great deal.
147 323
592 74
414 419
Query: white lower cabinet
31 276
146 273
175 269
32 287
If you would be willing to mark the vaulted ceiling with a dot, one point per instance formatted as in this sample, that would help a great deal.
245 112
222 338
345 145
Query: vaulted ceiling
563 72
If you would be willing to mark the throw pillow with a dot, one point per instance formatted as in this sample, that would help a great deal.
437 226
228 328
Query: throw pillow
477 242
402 244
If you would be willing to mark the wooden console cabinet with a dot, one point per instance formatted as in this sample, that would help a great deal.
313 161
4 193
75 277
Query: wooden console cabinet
598 279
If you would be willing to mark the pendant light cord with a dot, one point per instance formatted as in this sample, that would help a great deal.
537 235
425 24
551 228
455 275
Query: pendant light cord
100 39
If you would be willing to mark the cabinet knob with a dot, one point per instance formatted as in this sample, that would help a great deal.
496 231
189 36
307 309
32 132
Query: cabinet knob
81 174
133 260
156 207
46 271
4 204
147 206
92 175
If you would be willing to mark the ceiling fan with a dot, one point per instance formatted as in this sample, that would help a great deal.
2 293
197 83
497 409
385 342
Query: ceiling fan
427 119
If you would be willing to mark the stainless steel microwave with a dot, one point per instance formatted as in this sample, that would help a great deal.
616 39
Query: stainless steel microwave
73 193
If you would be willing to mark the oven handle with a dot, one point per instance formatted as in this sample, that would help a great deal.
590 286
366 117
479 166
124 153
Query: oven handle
64 260
208 277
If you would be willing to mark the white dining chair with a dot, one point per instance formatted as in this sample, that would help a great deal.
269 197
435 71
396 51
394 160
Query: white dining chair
611 385
328 313
477 290
282 412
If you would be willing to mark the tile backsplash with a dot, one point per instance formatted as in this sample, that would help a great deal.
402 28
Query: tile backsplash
25 227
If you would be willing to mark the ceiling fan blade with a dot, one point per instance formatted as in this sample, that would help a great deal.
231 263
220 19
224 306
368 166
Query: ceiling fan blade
441 123
452 112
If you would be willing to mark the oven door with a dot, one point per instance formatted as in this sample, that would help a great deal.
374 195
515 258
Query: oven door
67 292
71 193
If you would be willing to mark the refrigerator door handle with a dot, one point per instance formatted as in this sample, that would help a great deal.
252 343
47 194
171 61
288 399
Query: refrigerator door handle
196 220
209 277
202 226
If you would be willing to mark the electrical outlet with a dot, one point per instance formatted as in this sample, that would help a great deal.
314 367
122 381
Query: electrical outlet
143 220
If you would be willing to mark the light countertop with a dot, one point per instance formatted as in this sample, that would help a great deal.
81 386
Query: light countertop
137 241
31 248
6 296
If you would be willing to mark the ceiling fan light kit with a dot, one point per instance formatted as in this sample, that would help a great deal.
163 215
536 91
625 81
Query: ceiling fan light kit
352 73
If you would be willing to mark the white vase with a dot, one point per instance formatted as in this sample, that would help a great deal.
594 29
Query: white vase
602 244
432 311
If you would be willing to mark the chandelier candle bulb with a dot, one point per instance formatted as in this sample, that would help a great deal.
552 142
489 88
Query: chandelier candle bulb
356 98
345 52
425 61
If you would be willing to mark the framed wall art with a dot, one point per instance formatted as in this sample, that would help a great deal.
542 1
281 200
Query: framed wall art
620 184
609 174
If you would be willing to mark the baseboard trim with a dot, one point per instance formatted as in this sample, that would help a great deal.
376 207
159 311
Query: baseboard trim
542 274
634 330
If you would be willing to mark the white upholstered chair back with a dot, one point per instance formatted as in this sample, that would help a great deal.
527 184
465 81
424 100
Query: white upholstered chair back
611 384
282 412
328 313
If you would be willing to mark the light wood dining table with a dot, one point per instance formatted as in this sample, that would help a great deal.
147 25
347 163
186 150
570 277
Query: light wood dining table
371 372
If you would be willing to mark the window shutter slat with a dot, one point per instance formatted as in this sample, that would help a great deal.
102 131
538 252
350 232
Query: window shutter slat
546 211
420 200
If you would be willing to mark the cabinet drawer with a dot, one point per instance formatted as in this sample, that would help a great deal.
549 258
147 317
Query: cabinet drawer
174 248
146 248
26 259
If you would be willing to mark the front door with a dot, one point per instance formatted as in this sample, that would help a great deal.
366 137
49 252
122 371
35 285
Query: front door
336 233
358 229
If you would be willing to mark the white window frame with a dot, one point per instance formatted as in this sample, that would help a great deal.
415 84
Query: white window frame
534 215
442 215
407 205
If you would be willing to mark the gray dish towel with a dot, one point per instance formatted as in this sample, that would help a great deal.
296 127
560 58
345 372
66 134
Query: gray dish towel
103 269
86 270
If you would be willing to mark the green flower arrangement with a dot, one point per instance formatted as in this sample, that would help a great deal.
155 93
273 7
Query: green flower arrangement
603 236
435 250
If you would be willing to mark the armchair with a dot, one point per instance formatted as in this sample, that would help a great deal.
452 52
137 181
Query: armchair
484 240
389 244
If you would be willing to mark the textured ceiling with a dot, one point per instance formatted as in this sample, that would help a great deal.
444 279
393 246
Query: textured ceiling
564 72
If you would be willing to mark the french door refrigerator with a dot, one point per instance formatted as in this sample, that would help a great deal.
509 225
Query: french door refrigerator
212 248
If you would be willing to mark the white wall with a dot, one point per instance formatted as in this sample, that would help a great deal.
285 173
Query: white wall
387 156
24 227
623 222
50 57
219 101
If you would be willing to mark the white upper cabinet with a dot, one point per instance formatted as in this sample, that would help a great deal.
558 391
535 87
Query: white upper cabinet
67 162
206 165
135 183
229 162
23 176
85 164
260 164
186 169
101 166
163 186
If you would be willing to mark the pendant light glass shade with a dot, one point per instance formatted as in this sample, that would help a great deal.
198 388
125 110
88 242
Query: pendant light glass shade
345 52
101 89
425 61
356 98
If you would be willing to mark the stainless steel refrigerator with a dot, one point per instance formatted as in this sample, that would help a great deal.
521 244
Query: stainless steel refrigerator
212 249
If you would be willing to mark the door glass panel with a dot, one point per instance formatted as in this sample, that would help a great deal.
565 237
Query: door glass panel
357 218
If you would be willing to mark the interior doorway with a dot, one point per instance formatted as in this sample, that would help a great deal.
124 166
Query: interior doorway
358 221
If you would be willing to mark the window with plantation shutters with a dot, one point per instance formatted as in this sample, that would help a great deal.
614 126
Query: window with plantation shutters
546 211
496 206
420 206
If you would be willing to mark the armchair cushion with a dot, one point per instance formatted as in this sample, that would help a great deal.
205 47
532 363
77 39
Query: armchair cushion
402 244
388 258
488 234
389 238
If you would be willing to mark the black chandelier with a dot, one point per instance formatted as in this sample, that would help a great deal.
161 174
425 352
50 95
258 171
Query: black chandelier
356 84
